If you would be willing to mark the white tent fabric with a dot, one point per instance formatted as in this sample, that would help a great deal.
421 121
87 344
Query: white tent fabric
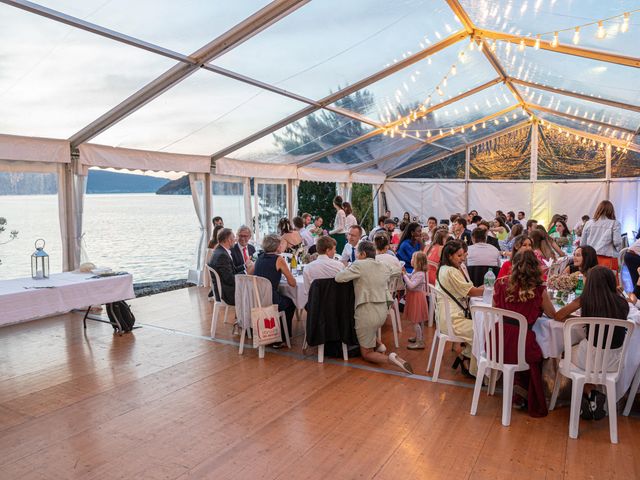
439 199
102 156
573 199
32 149
11 166
197 184
486 198
323 175
625 196
238 168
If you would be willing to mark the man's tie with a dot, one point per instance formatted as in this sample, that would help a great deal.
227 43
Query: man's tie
353 254
244 254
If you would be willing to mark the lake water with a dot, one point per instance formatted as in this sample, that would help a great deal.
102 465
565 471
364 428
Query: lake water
154 237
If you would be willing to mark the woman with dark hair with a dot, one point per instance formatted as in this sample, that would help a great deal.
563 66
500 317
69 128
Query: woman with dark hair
600 298
542 247
584 259
516 230
603 233
452 282
500 228
339 224
434 252
213 243
551 228
561 230
523 291
521 242
291 238
350 220
406 218
410 242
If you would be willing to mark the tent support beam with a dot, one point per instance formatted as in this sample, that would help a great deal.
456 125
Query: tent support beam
334 97
240 33
540 108
317 156
603 101
410 148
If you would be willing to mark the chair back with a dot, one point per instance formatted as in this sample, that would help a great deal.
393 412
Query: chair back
396 284
218 284
625 240
245 296
621 258
477 273
442 299
492 321
558 266
598 358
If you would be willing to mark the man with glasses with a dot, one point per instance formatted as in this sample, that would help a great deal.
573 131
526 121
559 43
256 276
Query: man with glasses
242 252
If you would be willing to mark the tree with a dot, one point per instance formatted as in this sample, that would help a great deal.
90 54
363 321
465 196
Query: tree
316 199
362 203
12 235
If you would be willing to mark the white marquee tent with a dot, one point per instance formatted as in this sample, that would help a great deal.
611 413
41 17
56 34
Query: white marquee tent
442 105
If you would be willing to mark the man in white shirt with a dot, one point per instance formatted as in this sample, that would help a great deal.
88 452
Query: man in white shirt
377 229
307 238
353 238
382 251
324 266
480 252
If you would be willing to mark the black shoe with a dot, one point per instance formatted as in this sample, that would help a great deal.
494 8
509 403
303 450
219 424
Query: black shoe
459 362
597 401
585 408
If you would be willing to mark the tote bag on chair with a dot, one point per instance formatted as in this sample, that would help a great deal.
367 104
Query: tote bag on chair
265 322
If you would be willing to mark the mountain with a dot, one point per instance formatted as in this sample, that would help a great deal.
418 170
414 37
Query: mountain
179 186
100 181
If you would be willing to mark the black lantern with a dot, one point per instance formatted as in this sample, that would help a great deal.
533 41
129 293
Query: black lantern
39 261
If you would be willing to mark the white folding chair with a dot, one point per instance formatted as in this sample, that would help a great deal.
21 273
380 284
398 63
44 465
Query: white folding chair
597 370
492 356
440 337
218 304
246 291
633 391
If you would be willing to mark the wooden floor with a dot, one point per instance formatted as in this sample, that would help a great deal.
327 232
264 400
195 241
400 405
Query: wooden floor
167 402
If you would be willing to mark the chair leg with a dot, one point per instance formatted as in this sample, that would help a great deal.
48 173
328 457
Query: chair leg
577 386
439 354
633 391
613 413
556 390
214 319
241 349
321 353
261 351
283 317
507 396
249 333
433 348
394 326
493 379
380 335
226 312
478 387
345 352
398 319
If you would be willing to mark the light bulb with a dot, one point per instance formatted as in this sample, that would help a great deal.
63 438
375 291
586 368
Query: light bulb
417 133
496 121
537 44
452 131
439 90
454 69
480 45
521 46
493 46
429 61
393 133
508 48
576 36
444 81
404 133
471 43
473 128
625 23
601 33
554 42
428 133
484 124
441 132
462 130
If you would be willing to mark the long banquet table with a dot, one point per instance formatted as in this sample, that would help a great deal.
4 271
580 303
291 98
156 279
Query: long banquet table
23 299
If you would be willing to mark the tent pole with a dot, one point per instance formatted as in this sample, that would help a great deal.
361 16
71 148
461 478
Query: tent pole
608 170
467 162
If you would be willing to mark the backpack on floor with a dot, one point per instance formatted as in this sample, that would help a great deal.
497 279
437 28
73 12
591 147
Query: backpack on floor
120 316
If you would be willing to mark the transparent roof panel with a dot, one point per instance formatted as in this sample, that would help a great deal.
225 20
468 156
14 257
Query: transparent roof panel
585 126
587 110
200 115
312 134
183 26
327 45
422 83
55 79
544 17
373 148
414 157
569 72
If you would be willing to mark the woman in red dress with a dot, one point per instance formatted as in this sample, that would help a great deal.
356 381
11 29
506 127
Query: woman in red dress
524 292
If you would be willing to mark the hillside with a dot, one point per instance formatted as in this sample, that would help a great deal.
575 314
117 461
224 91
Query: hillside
179 186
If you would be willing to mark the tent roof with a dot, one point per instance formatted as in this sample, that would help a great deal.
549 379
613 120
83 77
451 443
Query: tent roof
365 85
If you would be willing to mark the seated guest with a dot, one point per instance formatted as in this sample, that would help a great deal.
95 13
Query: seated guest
561 230
291 239
371 288
377 229
475 221
491 239
432 224
324 266
551 228
242 252
213 243
217 221
353 237
451 280
383 254
500 228
433 253
584 259
523 292
272 266
461 232
531 226
632 261
521 242
521 217
307 238
306 220
481 253
222 263
550 243
511 219
390 225
410 242
316 227
516 230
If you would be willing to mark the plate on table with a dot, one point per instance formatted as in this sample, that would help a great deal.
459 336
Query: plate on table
102 271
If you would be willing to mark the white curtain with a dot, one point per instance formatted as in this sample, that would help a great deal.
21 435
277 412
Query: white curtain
295 185
65 215
79 191
197 184
574 199
425 199
486 198
624 196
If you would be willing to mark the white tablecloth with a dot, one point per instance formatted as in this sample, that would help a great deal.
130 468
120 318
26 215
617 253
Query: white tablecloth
297 293
20 300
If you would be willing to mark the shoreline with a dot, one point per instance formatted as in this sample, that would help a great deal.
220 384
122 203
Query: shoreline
144 289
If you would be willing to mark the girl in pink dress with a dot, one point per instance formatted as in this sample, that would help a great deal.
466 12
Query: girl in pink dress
415 308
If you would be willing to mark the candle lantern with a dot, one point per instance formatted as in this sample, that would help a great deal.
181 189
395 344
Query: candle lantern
39 261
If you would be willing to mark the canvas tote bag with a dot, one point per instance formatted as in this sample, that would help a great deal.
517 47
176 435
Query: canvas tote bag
265 322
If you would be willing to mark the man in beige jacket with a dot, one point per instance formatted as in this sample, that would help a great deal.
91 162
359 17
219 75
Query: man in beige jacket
372 300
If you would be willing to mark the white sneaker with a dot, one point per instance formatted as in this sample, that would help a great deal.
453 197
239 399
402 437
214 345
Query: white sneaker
400 363
381 348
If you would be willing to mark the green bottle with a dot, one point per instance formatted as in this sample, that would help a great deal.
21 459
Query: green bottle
579 286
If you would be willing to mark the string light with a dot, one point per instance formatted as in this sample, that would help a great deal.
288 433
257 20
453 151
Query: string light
473 128
454 69
444 81
521 46
554 42
537 44
494 46
508 48
625 23
601 33
471 43
428 133
576 36
439 90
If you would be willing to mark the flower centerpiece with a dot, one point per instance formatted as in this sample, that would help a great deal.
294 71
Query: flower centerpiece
563 284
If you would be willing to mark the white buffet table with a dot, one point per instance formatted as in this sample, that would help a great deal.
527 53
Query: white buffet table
23 299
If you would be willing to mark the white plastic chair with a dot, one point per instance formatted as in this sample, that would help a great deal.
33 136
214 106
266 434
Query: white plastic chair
395 284
218 304
633 391
245 301
595 371
492 356
440 337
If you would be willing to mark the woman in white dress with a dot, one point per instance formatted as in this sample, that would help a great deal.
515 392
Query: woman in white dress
339 224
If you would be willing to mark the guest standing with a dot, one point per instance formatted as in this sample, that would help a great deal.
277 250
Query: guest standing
523 292
339 224
416 309
603 234
350 219
433 253
410 242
